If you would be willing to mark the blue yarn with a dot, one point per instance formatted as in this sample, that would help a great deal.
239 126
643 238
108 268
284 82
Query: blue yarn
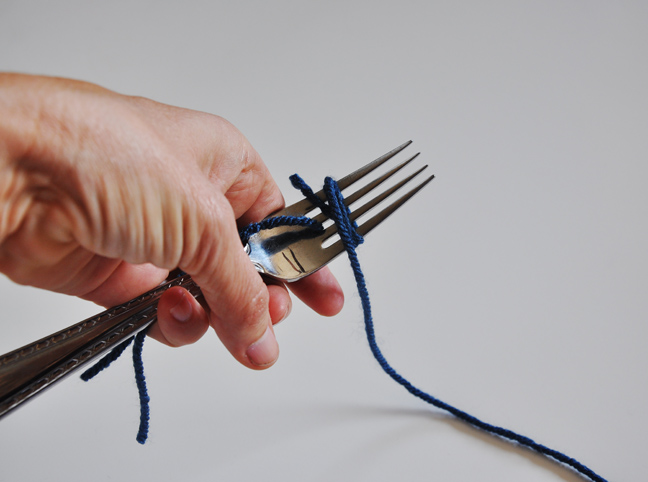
140 380
338 212
105 362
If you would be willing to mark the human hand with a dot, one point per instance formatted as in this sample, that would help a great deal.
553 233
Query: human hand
102 194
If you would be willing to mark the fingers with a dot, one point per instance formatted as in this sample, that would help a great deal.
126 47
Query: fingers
254 195
263 195
279 304
238 300
242 308
235 169
181 319
320 291
109 288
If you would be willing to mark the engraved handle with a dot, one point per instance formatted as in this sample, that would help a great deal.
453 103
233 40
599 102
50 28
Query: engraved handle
27 371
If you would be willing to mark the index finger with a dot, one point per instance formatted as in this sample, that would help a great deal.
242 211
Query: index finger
237 297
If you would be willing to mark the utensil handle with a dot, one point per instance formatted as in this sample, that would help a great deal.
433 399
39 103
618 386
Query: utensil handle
29 370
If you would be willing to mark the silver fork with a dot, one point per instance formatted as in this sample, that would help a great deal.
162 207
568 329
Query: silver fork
286 253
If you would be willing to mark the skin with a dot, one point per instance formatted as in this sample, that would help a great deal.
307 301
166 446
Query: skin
102 194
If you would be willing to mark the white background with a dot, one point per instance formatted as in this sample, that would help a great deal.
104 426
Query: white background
513 287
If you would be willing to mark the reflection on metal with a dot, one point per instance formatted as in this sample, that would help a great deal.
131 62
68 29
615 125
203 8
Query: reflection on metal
299 268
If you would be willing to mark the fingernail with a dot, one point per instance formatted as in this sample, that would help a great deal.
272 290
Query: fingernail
265 350
182 310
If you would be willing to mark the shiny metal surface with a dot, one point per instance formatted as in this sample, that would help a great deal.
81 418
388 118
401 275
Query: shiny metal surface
287 253
290 253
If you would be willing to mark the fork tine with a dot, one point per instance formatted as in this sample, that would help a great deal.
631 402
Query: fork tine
337 247
349 179
320 218
305 206
378 199
368 225
331 230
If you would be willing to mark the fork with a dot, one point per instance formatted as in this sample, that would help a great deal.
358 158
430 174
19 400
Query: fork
286 253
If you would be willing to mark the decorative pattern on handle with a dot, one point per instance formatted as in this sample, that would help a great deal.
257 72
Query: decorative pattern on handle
29 370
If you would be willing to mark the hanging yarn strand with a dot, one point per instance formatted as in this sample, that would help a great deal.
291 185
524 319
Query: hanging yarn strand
140 380
339 213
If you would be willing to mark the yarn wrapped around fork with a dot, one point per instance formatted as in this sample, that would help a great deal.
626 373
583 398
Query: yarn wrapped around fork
336 210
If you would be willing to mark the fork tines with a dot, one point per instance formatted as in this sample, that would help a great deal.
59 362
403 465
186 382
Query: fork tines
355 176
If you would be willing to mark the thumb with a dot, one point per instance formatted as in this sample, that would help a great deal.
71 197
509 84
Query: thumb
235 293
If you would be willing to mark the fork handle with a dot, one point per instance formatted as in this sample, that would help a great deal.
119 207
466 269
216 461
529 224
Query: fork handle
27 371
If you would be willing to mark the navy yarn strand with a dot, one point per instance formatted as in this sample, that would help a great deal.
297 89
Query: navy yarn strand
105 361
140 380
339 213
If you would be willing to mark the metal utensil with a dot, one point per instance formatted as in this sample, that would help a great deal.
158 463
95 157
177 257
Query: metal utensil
287 253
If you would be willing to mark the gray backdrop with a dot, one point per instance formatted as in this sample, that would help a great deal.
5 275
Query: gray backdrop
514 287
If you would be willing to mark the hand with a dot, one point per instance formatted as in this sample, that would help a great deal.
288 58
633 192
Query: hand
102 194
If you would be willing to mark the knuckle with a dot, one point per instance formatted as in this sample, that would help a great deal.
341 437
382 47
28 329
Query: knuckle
252 310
